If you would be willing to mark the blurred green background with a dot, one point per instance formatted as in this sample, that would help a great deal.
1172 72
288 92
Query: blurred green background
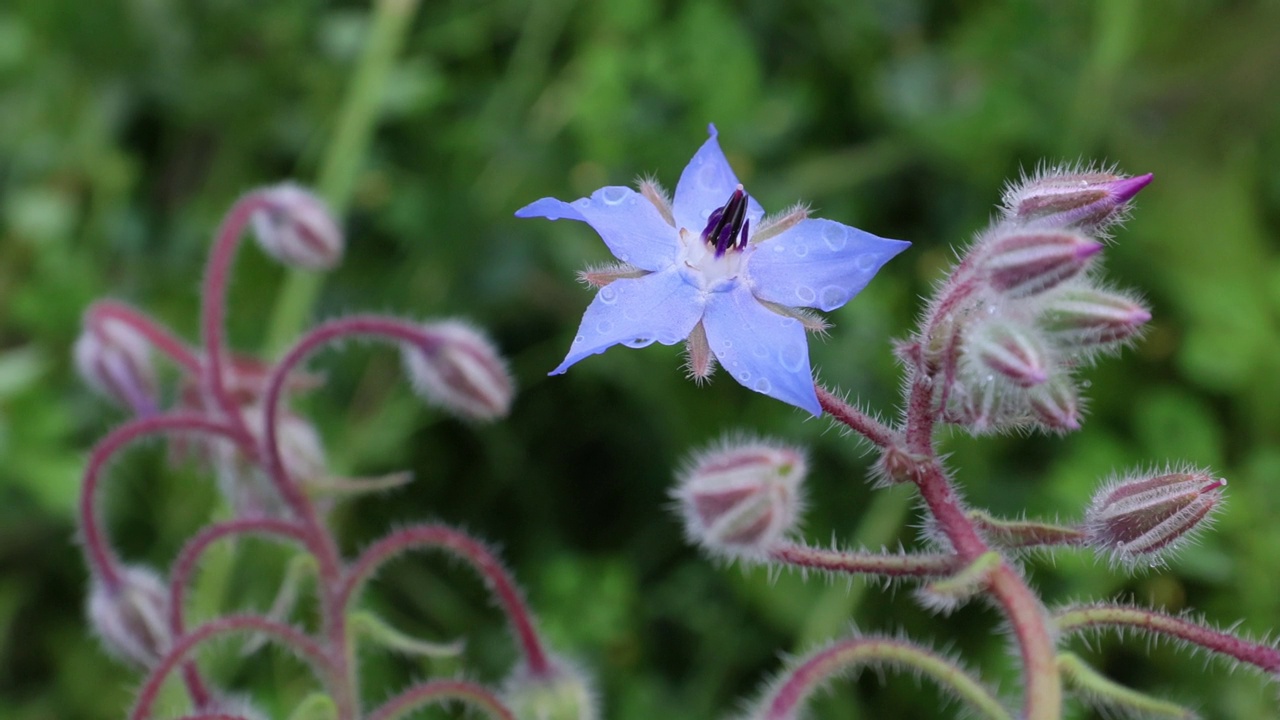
128 127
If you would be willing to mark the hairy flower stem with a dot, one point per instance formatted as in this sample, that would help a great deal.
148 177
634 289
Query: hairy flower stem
1079 619
291 638
862 563
442 691
849 415
159 336
474 553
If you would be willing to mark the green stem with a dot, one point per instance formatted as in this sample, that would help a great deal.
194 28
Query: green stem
347 150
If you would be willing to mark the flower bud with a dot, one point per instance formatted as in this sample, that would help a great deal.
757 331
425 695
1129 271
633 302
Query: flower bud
1011 350
1087 317
1088 201
132 619
457 367
564 694
114 358
296 228
1056 405
741 499
1024 263
1140 519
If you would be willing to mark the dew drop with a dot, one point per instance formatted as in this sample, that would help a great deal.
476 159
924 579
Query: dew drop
792 357
836 236
744 375
727 344
639 342
833 297
580 338
762 385
866 262
583 203
604 326
1086 384
613 195
805 294
760 351
778 247
801 250
608 295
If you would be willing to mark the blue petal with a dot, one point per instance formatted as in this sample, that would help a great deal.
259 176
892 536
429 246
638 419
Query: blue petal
706 184
762 350
636 312
818 264
629 224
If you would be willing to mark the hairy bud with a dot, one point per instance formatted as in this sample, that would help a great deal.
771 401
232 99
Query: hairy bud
457 367
132 619
564 694
115 360
1010 350
1022 263
1141 519
1088 201
740 499
1056 405
296 228
1087 317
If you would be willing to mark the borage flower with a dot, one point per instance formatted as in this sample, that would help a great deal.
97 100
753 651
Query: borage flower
708 268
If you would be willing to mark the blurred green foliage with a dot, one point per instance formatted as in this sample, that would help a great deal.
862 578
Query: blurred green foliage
127 127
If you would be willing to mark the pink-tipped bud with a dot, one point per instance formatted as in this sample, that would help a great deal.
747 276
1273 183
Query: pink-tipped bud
296 228
115 360
1056 405
1010 350
458 368
1139 520
1023 263
1088 201
564 693
1087 318
133 618
740 499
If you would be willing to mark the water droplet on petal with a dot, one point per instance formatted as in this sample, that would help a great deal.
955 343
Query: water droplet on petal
744 375
604 326
639 342
836 236
866 262
778 247
760 351
805 294
727 344
833 297
613 195
580 338
762 385
792 357
801 250
608 295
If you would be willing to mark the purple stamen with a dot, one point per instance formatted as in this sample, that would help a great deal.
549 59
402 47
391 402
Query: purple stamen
728 222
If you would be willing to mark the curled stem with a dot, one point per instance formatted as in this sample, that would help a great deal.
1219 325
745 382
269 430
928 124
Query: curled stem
475 554
1101 690
787 696
1074 620
159 336
295 640
441 691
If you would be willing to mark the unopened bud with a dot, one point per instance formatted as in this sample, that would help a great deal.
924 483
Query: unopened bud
296 228
741 499
457 367
1087 317
563 694
1141 519
1028 262
1056 405
115 360
1088 201
1011 351
133 618
300 448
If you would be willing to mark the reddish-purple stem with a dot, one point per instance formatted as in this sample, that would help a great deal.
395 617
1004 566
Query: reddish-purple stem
294 639
158 335
902 565
102 559
188 559
858 421
1093 617
442 690
474 552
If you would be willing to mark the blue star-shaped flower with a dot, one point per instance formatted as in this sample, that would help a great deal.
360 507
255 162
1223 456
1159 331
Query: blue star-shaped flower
707 269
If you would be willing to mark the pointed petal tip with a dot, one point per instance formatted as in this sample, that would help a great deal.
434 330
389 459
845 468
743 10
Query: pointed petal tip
711 130
1125 190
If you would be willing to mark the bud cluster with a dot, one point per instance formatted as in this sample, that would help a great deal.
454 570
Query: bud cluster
1024 308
